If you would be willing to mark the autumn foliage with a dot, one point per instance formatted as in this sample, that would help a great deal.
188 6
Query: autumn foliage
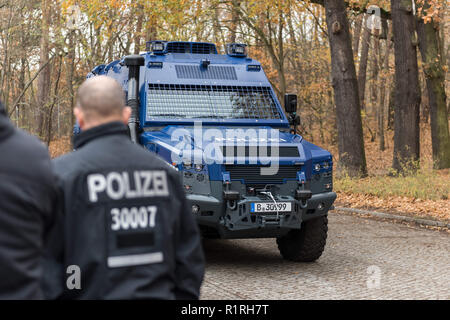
289 37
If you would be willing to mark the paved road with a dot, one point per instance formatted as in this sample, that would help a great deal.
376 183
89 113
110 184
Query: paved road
364 259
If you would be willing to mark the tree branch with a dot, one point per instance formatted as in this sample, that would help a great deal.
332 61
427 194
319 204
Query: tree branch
317 21
29 83
354 7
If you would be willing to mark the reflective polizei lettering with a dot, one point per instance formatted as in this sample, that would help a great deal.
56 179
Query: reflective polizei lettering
117 185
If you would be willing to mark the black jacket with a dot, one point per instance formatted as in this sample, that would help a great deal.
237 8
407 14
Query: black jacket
27 199
125 224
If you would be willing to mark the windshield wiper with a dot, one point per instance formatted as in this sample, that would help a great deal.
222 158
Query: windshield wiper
212 117
168 115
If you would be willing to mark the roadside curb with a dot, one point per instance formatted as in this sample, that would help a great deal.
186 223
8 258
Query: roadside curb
395 217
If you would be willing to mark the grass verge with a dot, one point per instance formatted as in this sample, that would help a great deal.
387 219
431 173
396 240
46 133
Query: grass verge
425 194
426 185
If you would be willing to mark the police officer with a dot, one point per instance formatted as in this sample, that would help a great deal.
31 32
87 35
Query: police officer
27 200
126 231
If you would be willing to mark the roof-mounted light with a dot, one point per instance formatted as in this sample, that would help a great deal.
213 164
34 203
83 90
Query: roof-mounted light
156 47
237 50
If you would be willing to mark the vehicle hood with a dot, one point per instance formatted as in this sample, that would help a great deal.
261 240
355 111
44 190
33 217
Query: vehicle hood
175 139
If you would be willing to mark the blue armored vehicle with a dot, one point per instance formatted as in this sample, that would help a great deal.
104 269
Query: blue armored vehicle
216 119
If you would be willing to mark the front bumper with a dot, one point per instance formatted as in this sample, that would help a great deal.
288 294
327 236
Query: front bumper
238 222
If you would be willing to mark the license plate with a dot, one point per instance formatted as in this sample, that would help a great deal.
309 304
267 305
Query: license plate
271 207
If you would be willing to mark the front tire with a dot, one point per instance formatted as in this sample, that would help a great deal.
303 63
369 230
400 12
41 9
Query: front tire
306 244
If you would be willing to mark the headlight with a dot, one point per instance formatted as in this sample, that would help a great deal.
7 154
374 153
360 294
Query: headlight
198 167
187 165
317 167
239 50
158 46
326 165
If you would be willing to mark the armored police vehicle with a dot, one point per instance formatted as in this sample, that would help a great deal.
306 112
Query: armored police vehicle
217 120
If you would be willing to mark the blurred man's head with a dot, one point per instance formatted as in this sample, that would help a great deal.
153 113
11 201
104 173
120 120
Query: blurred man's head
100 100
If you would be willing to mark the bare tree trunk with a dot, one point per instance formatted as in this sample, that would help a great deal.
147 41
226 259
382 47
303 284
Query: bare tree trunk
138 35
23 62
218 36
432 57
152 31
44 76
407 90
52 106
383 84
425 102
357 34
8 78
391 106
375 69
235 4
350 134
295 61
70 75
281 55
5 73
362 72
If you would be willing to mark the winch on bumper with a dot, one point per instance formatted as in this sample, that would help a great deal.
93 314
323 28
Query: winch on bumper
238 218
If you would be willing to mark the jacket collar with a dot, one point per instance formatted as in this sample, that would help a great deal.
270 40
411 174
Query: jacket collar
110 128
6 127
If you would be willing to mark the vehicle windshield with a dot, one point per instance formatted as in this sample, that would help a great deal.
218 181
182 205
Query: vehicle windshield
169 101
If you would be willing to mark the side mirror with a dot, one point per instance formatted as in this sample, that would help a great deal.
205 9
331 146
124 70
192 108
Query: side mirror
290 103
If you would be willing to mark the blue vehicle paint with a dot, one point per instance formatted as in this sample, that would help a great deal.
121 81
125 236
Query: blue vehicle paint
179 91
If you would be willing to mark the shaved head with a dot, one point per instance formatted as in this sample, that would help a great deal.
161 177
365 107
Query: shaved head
101 97
100 100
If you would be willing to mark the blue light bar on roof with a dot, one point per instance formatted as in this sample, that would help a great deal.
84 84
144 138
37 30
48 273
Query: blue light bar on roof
238 50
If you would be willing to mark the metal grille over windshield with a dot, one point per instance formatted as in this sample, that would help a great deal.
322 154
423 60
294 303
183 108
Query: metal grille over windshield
170 101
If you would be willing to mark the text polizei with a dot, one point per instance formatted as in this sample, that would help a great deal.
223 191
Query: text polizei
124 185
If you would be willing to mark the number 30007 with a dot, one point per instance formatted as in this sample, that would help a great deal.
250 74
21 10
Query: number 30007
133 218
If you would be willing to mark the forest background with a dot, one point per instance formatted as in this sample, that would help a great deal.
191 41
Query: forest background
396 157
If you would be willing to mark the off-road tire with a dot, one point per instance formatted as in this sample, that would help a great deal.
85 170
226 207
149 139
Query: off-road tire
306 244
